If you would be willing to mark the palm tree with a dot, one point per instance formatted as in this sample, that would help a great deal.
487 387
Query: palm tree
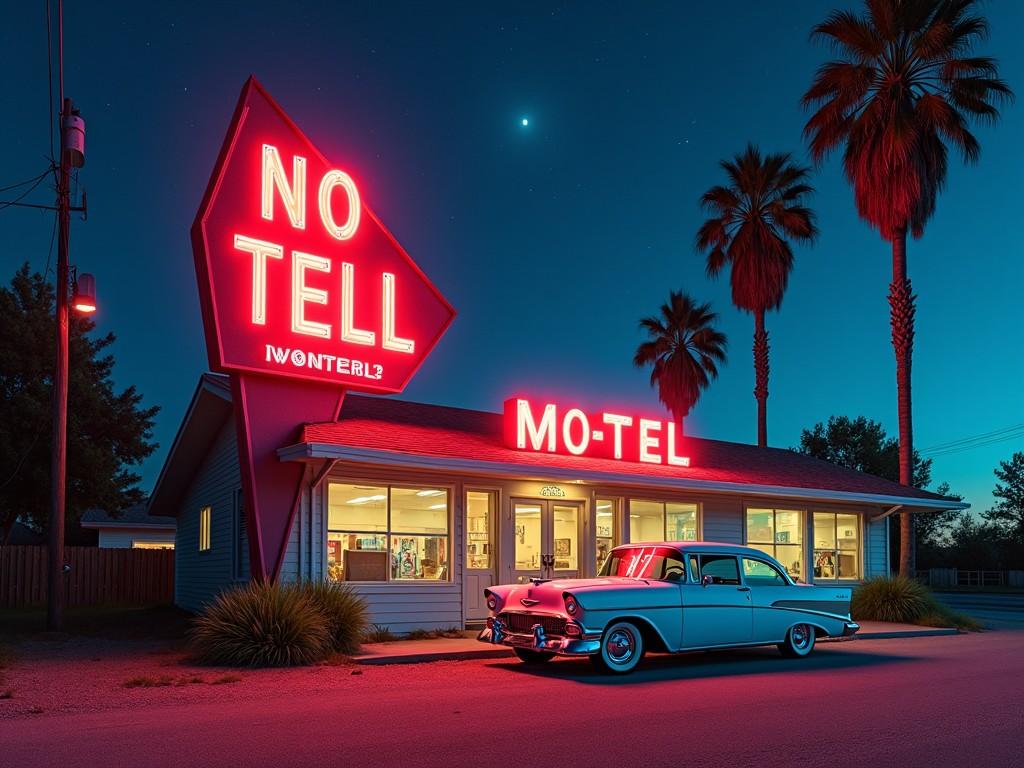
752 221
683 350
904 85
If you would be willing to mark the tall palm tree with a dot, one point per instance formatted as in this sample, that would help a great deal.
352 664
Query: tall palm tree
903 86
752 221
683 350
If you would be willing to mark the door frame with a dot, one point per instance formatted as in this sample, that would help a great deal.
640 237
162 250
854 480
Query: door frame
471 576
547 536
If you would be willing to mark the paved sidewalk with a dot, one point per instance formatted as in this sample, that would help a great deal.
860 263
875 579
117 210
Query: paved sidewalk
457 649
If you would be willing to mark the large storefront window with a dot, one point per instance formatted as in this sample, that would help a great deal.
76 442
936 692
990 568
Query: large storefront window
662 521
387 533
779 533
836 546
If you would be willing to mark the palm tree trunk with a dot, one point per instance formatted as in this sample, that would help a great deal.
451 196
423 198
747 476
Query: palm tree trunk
901 305
761 377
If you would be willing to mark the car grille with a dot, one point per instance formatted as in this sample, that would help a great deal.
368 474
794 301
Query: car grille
522 623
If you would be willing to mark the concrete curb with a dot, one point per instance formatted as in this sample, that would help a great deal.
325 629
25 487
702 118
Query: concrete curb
427 656
932 632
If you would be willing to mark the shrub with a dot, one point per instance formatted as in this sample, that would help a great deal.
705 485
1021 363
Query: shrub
904 600
378 633
345 612
261 625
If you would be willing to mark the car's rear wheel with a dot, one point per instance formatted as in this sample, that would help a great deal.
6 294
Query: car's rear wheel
799 641
622 647
533 657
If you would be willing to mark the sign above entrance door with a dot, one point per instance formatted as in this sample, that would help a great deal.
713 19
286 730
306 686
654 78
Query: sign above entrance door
551 428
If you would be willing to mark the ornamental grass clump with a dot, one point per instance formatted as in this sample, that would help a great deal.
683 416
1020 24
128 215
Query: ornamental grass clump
261 625
896 599
344 611
905 601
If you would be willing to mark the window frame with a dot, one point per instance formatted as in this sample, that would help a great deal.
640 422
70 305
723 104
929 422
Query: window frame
494 515
834 514
206 528
449 488
626 505
802 527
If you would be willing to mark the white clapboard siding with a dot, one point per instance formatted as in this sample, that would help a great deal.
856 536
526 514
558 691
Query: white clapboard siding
876 544
723 519
199 576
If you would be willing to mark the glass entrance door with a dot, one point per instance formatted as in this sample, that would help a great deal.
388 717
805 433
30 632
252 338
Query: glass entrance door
547 537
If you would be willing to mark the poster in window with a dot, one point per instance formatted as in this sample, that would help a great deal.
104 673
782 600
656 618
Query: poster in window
333 551
563 547
406 559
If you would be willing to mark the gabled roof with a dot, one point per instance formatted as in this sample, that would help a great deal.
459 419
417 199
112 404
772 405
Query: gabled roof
206 414
416 435
135 516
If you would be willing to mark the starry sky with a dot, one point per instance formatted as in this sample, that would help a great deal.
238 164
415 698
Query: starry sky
552 238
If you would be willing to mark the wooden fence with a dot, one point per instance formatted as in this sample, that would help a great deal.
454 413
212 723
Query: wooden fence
96 575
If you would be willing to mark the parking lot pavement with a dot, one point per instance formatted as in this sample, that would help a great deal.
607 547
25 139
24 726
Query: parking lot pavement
922 701
996 610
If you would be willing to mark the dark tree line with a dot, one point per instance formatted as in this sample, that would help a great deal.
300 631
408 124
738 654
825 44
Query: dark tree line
109 431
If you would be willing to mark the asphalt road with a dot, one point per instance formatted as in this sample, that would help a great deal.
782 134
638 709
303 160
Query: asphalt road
946 701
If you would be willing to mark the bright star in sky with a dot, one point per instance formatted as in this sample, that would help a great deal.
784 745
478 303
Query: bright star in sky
525 121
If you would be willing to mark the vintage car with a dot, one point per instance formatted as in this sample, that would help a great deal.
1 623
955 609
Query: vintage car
666 596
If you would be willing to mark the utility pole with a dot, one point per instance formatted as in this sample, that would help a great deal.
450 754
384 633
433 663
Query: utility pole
58 464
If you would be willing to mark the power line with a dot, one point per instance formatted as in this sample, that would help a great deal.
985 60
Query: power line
993 433
26 181
23 195
1018 435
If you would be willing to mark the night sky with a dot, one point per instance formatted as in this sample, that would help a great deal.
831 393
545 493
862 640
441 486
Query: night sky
550 239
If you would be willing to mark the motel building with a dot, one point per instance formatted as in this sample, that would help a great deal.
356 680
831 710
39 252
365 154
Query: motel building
281 469
420 507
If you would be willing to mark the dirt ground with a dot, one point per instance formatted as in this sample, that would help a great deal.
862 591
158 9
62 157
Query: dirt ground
117 658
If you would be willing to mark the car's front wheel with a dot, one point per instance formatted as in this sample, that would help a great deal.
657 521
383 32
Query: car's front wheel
799 641
622 647
533 657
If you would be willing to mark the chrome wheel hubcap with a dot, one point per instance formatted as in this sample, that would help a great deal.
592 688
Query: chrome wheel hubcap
620 646
801 636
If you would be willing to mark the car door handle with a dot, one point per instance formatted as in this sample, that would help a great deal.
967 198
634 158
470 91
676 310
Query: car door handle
742 589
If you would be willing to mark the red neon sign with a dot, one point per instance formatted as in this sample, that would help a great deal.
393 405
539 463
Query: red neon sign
305 295
298 277
549 428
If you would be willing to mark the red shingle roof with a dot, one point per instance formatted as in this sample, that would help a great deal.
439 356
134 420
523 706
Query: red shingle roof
439 432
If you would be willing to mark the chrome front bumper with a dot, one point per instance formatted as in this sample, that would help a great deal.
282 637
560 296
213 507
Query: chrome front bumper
496 633
850 628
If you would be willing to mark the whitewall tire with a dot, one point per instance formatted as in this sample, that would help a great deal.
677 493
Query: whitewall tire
799 641
622 647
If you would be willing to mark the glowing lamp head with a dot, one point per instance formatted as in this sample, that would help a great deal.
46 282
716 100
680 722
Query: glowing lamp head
84 297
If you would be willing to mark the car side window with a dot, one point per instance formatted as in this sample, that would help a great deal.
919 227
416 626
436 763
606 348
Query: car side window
673 569
758 573
721 568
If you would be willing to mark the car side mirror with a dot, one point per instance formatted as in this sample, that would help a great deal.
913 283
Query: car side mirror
706 579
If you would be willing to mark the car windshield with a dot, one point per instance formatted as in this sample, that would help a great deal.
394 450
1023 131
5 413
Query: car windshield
645 563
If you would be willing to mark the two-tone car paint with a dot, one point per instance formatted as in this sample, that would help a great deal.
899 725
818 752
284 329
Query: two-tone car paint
681 612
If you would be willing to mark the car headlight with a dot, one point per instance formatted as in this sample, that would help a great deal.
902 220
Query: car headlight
571 606
492 603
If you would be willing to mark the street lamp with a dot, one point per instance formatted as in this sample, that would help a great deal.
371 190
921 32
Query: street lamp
83 297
